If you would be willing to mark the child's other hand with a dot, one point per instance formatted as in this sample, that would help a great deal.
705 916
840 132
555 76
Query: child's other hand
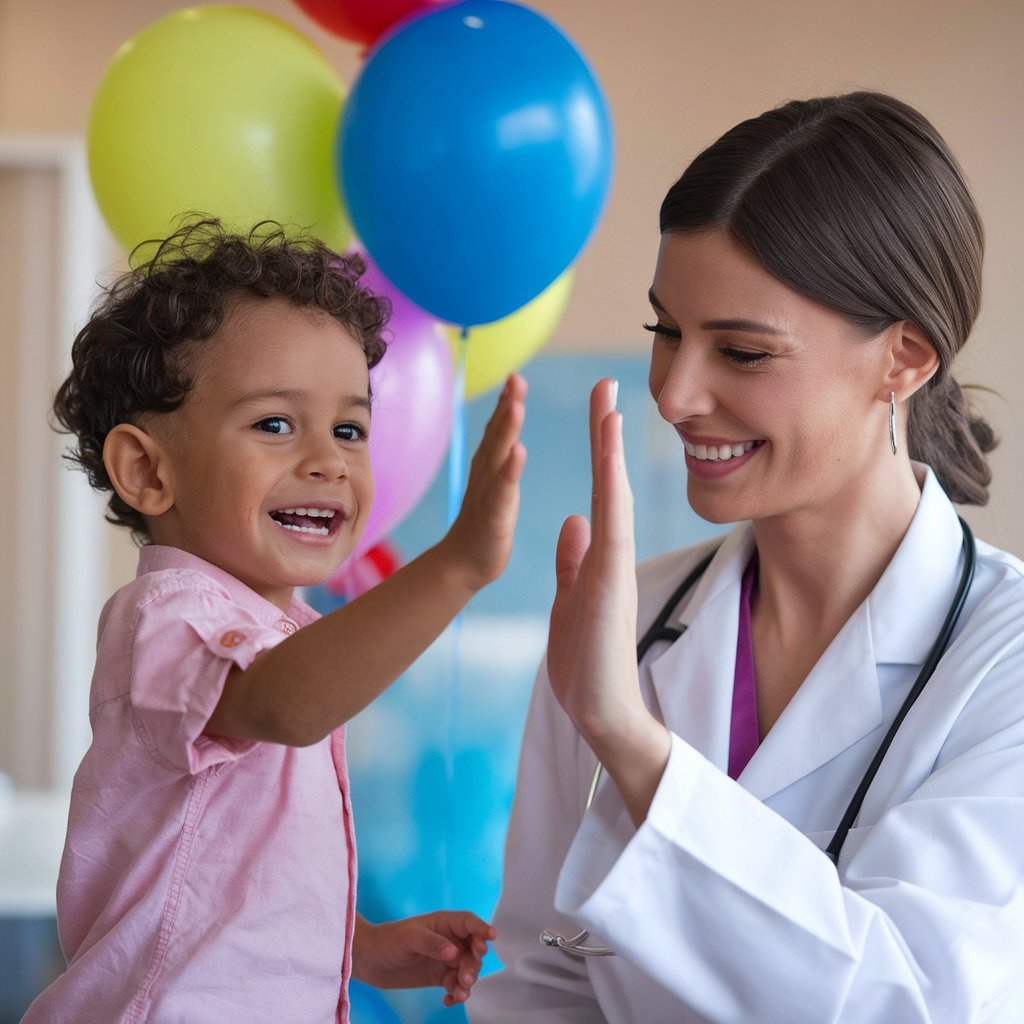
480 539
443 948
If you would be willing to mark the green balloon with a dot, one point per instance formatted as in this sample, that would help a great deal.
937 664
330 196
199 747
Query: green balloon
220 110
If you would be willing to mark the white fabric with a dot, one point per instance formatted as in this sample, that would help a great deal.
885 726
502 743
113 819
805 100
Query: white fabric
722 906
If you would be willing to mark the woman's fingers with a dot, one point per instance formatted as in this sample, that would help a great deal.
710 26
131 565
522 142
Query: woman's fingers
616 512
603 397
573 542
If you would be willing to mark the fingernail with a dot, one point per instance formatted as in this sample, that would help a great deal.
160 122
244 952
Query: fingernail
615 393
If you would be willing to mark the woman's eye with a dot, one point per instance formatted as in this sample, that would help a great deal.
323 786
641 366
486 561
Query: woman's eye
349 432
274 425
743 356
664 331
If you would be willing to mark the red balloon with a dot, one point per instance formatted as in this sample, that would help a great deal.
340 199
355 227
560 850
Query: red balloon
364 21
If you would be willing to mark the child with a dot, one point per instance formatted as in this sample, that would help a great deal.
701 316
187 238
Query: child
221 393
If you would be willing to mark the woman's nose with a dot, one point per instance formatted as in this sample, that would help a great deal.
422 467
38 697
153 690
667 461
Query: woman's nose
681 384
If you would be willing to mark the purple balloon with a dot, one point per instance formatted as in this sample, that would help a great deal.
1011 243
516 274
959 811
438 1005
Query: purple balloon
410 425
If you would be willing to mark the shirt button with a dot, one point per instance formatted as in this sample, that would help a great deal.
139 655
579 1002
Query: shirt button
287 626
232 638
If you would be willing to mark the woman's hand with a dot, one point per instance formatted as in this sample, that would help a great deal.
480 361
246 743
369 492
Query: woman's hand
443 948
592 642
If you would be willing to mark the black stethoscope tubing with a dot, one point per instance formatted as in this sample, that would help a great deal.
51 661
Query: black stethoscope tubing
658 631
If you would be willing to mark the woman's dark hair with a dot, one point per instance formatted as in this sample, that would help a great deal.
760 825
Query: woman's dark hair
856 202
137 353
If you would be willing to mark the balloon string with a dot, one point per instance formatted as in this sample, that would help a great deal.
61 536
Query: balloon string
456 487
457 449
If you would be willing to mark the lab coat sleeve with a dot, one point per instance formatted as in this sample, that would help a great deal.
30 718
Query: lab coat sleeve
538 982
728 906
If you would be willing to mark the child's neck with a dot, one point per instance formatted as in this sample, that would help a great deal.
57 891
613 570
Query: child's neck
281 595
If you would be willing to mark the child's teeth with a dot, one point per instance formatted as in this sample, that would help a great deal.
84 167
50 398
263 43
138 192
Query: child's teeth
324 513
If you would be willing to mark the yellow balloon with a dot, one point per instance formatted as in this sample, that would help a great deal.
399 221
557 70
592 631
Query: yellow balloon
221 110
494 350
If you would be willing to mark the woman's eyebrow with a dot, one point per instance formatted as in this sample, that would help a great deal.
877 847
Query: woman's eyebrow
731 324
741 324
653 299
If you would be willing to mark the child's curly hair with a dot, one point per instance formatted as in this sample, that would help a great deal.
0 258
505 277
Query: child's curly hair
136 354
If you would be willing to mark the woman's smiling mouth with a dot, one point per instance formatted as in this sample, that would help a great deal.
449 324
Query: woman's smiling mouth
718 452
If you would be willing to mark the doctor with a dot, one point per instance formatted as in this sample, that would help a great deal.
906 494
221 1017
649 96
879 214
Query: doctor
819 268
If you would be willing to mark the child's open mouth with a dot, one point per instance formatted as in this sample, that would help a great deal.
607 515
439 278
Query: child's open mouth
321 522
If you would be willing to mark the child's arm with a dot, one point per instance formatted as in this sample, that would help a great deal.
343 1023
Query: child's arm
444 948
305 687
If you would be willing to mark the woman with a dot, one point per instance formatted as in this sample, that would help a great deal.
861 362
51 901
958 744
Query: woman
819 268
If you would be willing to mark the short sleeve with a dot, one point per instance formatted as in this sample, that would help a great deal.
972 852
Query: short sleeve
184 642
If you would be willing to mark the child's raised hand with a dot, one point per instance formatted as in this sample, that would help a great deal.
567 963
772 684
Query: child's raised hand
480 539
444 948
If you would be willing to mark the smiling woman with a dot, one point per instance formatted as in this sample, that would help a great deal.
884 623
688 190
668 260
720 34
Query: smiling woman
737 356
817 760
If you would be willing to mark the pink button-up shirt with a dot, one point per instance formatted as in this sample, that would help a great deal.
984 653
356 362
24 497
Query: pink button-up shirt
203 879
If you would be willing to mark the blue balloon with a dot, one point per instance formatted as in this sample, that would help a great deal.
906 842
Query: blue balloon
474 152
368 1006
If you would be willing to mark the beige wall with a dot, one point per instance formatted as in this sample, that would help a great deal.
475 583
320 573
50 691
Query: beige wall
677 73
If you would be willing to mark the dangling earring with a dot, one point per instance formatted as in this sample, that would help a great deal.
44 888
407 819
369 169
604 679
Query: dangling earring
892 420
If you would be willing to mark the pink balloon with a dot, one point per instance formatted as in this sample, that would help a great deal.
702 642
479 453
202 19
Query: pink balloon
410 424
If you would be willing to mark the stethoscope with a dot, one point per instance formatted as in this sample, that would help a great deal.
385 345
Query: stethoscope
659 630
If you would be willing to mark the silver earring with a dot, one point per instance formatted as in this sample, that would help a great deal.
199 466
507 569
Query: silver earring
892 420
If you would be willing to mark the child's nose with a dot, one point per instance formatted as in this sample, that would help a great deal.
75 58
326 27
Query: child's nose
325 458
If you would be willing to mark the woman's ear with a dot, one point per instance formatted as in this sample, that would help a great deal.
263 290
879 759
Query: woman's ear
139 469
914 360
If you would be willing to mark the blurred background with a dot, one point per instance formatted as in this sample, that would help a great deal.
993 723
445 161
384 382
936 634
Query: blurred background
433 761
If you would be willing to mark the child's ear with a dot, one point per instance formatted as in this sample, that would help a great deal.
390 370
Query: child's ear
139 469
914 360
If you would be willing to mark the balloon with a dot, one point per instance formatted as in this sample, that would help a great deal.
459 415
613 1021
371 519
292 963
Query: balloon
475 157
221 110
410 425
494 350
363 21
368 1006
356 576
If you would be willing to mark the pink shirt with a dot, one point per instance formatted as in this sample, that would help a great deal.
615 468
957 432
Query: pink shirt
203 880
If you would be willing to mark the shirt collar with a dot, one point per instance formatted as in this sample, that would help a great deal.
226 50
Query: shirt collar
158 557
911 598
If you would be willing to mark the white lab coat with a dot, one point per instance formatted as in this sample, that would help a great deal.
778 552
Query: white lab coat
722 906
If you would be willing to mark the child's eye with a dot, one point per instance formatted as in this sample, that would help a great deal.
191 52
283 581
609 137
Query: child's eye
666 332
744 356
274 425
349 432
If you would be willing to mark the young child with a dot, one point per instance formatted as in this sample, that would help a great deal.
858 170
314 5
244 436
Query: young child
221 393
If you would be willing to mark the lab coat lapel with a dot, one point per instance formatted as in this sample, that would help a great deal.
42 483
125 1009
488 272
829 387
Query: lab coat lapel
841 702
692 679
838 704
693 684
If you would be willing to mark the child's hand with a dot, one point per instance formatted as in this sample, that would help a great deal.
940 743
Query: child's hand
444 948
480 539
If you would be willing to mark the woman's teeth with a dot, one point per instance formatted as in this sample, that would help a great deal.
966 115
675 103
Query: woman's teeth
717 452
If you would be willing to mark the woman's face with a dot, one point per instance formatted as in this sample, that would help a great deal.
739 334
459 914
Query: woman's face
781 404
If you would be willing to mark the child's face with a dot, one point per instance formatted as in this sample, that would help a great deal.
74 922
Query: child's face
268 455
